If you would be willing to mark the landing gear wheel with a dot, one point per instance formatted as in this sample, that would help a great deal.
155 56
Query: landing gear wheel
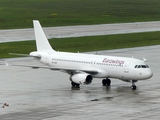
134 87
75 85
106 82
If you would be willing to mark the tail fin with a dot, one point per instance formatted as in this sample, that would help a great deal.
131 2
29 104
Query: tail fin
41 39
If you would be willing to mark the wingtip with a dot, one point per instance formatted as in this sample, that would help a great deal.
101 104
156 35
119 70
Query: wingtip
144 59
6 63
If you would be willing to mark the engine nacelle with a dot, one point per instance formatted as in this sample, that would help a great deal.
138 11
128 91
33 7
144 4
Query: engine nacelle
81 78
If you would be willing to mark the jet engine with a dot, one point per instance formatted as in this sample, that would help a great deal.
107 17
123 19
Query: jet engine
81 78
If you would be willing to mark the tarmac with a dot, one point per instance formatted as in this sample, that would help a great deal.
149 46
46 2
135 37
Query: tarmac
79 31
41 94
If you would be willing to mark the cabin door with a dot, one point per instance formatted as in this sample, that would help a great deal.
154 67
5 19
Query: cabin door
126 67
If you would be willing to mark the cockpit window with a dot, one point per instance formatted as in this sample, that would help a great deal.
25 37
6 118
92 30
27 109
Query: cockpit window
141 66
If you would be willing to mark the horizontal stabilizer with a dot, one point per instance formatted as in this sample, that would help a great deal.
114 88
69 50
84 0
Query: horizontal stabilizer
26 55
17 54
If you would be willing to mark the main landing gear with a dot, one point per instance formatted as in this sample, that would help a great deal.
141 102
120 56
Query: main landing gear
133 87
75 85
106 82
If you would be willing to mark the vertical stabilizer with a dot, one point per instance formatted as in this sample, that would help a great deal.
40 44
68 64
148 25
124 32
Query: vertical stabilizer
41 39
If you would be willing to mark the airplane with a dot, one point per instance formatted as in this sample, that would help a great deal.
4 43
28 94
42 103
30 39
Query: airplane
82 68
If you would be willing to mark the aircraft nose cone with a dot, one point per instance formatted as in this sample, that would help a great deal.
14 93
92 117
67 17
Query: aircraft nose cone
149 74
146 74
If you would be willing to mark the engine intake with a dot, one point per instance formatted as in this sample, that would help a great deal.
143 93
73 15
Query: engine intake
81 78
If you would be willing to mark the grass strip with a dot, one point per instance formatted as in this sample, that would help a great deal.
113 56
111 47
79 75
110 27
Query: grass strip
20 13
84 44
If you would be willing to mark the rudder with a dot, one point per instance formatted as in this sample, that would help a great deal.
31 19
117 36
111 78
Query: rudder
41 39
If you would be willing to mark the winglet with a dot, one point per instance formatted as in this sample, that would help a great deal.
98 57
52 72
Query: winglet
6 63
144 59
41 39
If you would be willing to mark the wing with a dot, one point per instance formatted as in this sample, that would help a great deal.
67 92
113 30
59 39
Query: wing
67 70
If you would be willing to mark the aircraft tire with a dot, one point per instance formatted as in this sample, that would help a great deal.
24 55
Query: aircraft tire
75 84
134 87
106 82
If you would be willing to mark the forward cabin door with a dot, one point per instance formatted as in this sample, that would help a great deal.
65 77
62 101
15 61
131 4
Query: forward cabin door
126 67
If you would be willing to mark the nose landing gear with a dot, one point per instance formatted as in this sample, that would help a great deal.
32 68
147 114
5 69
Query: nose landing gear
133 87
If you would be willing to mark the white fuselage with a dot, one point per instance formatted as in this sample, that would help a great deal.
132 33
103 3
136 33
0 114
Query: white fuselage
107 66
